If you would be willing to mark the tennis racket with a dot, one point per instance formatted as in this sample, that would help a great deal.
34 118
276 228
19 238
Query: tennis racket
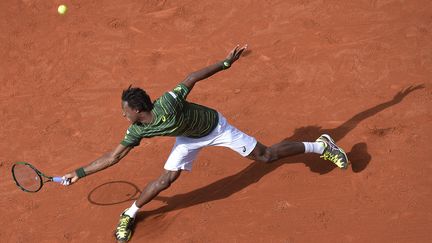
30 179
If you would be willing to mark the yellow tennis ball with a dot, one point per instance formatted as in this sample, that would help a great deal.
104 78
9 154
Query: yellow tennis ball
62 9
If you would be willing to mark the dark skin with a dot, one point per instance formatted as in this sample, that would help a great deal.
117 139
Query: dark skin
260 153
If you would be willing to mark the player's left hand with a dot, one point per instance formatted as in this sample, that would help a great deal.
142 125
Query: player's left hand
235 54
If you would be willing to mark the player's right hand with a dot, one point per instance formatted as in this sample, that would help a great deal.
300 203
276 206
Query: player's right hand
69 179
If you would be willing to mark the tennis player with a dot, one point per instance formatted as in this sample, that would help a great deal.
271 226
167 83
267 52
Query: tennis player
195 127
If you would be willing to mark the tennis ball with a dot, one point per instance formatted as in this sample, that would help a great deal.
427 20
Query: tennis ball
62 9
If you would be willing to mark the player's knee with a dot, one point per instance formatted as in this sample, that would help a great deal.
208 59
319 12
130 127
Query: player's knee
162 184
262 153
166 180
266 156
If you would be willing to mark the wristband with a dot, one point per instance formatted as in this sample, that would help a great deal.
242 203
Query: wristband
226 64
80 172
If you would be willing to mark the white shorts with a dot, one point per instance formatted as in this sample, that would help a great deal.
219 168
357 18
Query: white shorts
186 149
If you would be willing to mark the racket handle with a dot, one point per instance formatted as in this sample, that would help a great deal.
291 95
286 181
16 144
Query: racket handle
57 179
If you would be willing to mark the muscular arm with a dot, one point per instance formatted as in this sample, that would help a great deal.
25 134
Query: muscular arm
107 159
99 164
206 72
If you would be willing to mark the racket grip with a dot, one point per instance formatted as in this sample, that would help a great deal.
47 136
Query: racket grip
57 179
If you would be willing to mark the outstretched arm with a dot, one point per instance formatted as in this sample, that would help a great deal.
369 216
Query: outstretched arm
99 164
204 73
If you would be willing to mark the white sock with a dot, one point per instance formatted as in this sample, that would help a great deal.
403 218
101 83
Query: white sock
132 210
314 147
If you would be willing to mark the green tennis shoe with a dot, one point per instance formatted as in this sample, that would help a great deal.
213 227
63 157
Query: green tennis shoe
123 231
332 152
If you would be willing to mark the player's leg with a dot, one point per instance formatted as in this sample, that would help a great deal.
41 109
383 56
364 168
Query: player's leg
283 149
249 147
324 145
181 158
124 228
155 187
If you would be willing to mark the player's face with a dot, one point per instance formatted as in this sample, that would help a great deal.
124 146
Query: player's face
130 114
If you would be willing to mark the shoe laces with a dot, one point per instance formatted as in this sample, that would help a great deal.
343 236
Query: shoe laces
332 157
124 221
123 225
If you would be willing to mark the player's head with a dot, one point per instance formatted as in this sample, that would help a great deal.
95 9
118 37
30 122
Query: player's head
134 101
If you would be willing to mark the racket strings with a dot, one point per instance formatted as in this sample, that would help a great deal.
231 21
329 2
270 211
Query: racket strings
26 177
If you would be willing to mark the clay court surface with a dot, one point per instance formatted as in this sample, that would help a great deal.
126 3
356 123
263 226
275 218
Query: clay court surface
313 66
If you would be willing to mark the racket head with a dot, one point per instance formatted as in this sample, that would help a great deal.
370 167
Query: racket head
27 177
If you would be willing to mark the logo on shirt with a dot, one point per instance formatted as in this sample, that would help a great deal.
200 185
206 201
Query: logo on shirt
173 95
244 149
